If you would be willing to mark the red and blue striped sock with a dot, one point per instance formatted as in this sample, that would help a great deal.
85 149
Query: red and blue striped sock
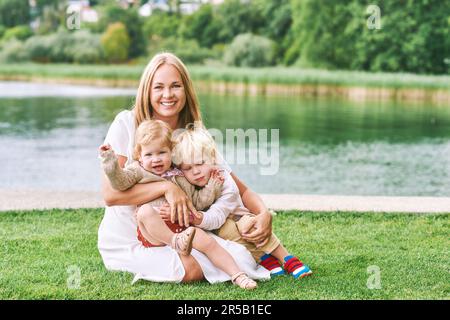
295 267
272 264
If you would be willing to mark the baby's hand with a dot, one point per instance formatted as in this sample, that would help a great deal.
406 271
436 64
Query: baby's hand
196 217
164 212
217 177
106 152
104 147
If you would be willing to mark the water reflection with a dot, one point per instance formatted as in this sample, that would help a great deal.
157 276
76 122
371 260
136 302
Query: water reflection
328 146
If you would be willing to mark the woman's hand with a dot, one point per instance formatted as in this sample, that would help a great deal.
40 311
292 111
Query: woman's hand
180 205
262 229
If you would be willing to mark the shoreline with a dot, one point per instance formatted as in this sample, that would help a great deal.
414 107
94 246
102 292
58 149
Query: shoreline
11 200
439 96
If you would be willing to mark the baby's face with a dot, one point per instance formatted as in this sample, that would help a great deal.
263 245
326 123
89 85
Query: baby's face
156 158
197 173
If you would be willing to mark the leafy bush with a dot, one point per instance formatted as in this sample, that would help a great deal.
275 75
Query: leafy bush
130 18
39 48
161 24
18 32
63 46
187 50
414 35
204 26
13 51
86 47
115 42
14 12
248 50
60 43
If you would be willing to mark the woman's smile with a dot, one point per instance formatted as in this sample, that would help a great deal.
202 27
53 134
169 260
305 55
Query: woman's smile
168 103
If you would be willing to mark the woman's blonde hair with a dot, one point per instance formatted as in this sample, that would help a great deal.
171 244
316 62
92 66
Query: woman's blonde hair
192 144
150 131
143 109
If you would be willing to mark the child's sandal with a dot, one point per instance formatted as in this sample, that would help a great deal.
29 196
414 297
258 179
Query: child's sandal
242 280
182 242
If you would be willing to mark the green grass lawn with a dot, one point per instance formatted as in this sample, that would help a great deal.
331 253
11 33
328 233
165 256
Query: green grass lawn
411 251
270 75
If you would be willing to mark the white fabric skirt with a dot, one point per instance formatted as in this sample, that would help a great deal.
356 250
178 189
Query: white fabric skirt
122 251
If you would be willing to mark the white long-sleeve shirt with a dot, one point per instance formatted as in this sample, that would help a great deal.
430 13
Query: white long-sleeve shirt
229 202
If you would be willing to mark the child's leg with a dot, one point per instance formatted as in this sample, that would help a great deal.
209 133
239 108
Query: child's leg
276 252
153 228
280 252
291 263
206 244
156 231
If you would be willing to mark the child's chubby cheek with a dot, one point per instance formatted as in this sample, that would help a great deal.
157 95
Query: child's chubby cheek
198 176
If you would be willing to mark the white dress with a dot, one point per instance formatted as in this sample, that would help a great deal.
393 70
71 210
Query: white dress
122 251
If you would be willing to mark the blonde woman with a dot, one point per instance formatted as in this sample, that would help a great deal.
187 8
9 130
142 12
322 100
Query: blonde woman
165 93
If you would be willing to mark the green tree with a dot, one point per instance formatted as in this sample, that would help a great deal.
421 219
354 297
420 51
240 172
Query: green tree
18 32
133 22
248 50
116 43
414 35
204 25
238 17
277 17
52 17
14 12
161 24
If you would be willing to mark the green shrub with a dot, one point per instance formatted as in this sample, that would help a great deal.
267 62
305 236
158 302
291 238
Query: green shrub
115 43
13 51
161 24
86 47
63 46
130 18
248 50
14 12
60 45
187 50
18 32
39 48
2 30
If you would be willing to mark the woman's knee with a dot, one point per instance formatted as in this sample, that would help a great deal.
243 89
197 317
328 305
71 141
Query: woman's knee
193 271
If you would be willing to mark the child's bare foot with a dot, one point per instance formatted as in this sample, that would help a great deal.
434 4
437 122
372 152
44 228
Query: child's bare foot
242 280
182 242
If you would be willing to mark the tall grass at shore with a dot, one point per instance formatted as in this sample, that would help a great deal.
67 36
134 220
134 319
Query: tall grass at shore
273 75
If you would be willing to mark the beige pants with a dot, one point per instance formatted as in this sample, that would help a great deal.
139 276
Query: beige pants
231 230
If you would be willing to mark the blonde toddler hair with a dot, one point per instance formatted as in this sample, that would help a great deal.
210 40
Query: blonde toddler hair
150 131
193 143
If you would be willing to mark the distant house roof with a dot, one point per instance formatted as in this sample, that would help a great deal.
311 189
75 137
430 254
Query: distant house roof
87 14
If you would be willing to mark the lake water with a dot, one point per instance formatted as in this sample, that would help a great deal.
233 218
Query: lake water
50 135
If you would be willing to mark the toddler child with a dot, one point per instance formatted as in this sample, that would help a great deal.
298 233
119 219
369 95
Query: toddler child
153 162
228 216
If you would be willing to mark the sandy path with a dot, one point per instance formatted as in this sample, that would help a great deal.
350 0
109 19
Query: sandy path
38 199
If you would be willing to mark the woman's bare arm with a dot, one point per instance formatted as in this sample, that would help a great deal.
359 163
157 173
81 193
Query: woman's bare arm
253 202
138 194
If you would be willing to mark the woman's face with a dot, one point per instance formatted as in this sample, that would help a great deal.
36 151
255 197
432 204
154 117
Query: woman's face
167 93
